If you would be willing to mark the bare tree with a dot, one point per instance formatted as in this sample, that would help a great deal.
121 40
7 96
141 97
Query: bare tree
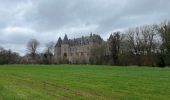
135 44
114 46
142 44
32 47
49 52
50 48
149 33
164 31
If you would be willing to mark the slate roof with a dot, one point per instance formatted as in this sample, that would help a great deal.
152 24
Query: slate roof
80 41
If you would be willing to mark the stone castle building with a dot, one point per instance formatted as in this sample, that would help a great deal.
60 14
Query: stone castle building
76 50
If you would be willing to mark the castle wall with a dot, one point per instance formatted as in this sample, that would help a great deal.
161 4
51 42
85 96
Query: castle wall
75 54
79 54
57 54
75 50
64 51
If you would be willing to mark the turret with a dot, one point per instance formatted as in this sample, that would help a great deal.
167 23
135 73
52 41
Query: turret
59 42
65 40
58 49
110 38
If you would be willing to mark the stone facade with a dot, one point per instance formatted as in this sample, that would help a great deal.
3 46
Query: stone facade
76 50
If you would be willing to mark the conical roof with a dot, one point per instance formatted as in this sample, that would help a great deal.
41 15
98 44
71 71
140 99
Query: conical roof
59 42
65 40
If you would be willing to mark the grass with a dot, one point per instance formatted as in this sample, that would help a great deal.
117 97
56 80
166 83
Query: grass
83 82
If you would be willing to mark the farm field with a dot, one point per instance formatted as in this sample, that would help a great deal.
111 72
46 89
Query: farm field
83 82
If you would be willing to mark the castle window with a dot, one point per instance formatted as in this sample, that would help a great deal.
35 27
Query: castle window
65 54
82 54
87 42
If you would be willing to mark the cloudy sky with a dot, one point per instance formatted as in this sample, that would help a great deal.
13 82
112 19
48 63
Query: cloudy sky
46 20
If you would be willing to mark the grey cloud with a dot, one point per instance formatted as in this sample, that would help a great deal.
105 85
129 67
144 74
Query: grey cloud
49 19
62 13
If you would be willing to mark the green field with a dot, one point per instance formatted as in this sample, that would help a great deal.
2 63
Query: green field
85 82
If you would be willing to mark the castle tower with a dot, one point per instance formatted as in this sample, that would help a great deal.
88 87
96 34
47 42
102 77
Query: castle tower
65 40
58 49
65 48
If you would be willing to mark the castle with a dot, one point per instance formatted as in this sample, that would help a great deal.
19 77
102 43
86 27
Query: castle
76 50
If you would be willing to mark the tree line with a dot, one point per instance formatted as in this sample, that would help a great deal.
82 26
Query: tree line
147 45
